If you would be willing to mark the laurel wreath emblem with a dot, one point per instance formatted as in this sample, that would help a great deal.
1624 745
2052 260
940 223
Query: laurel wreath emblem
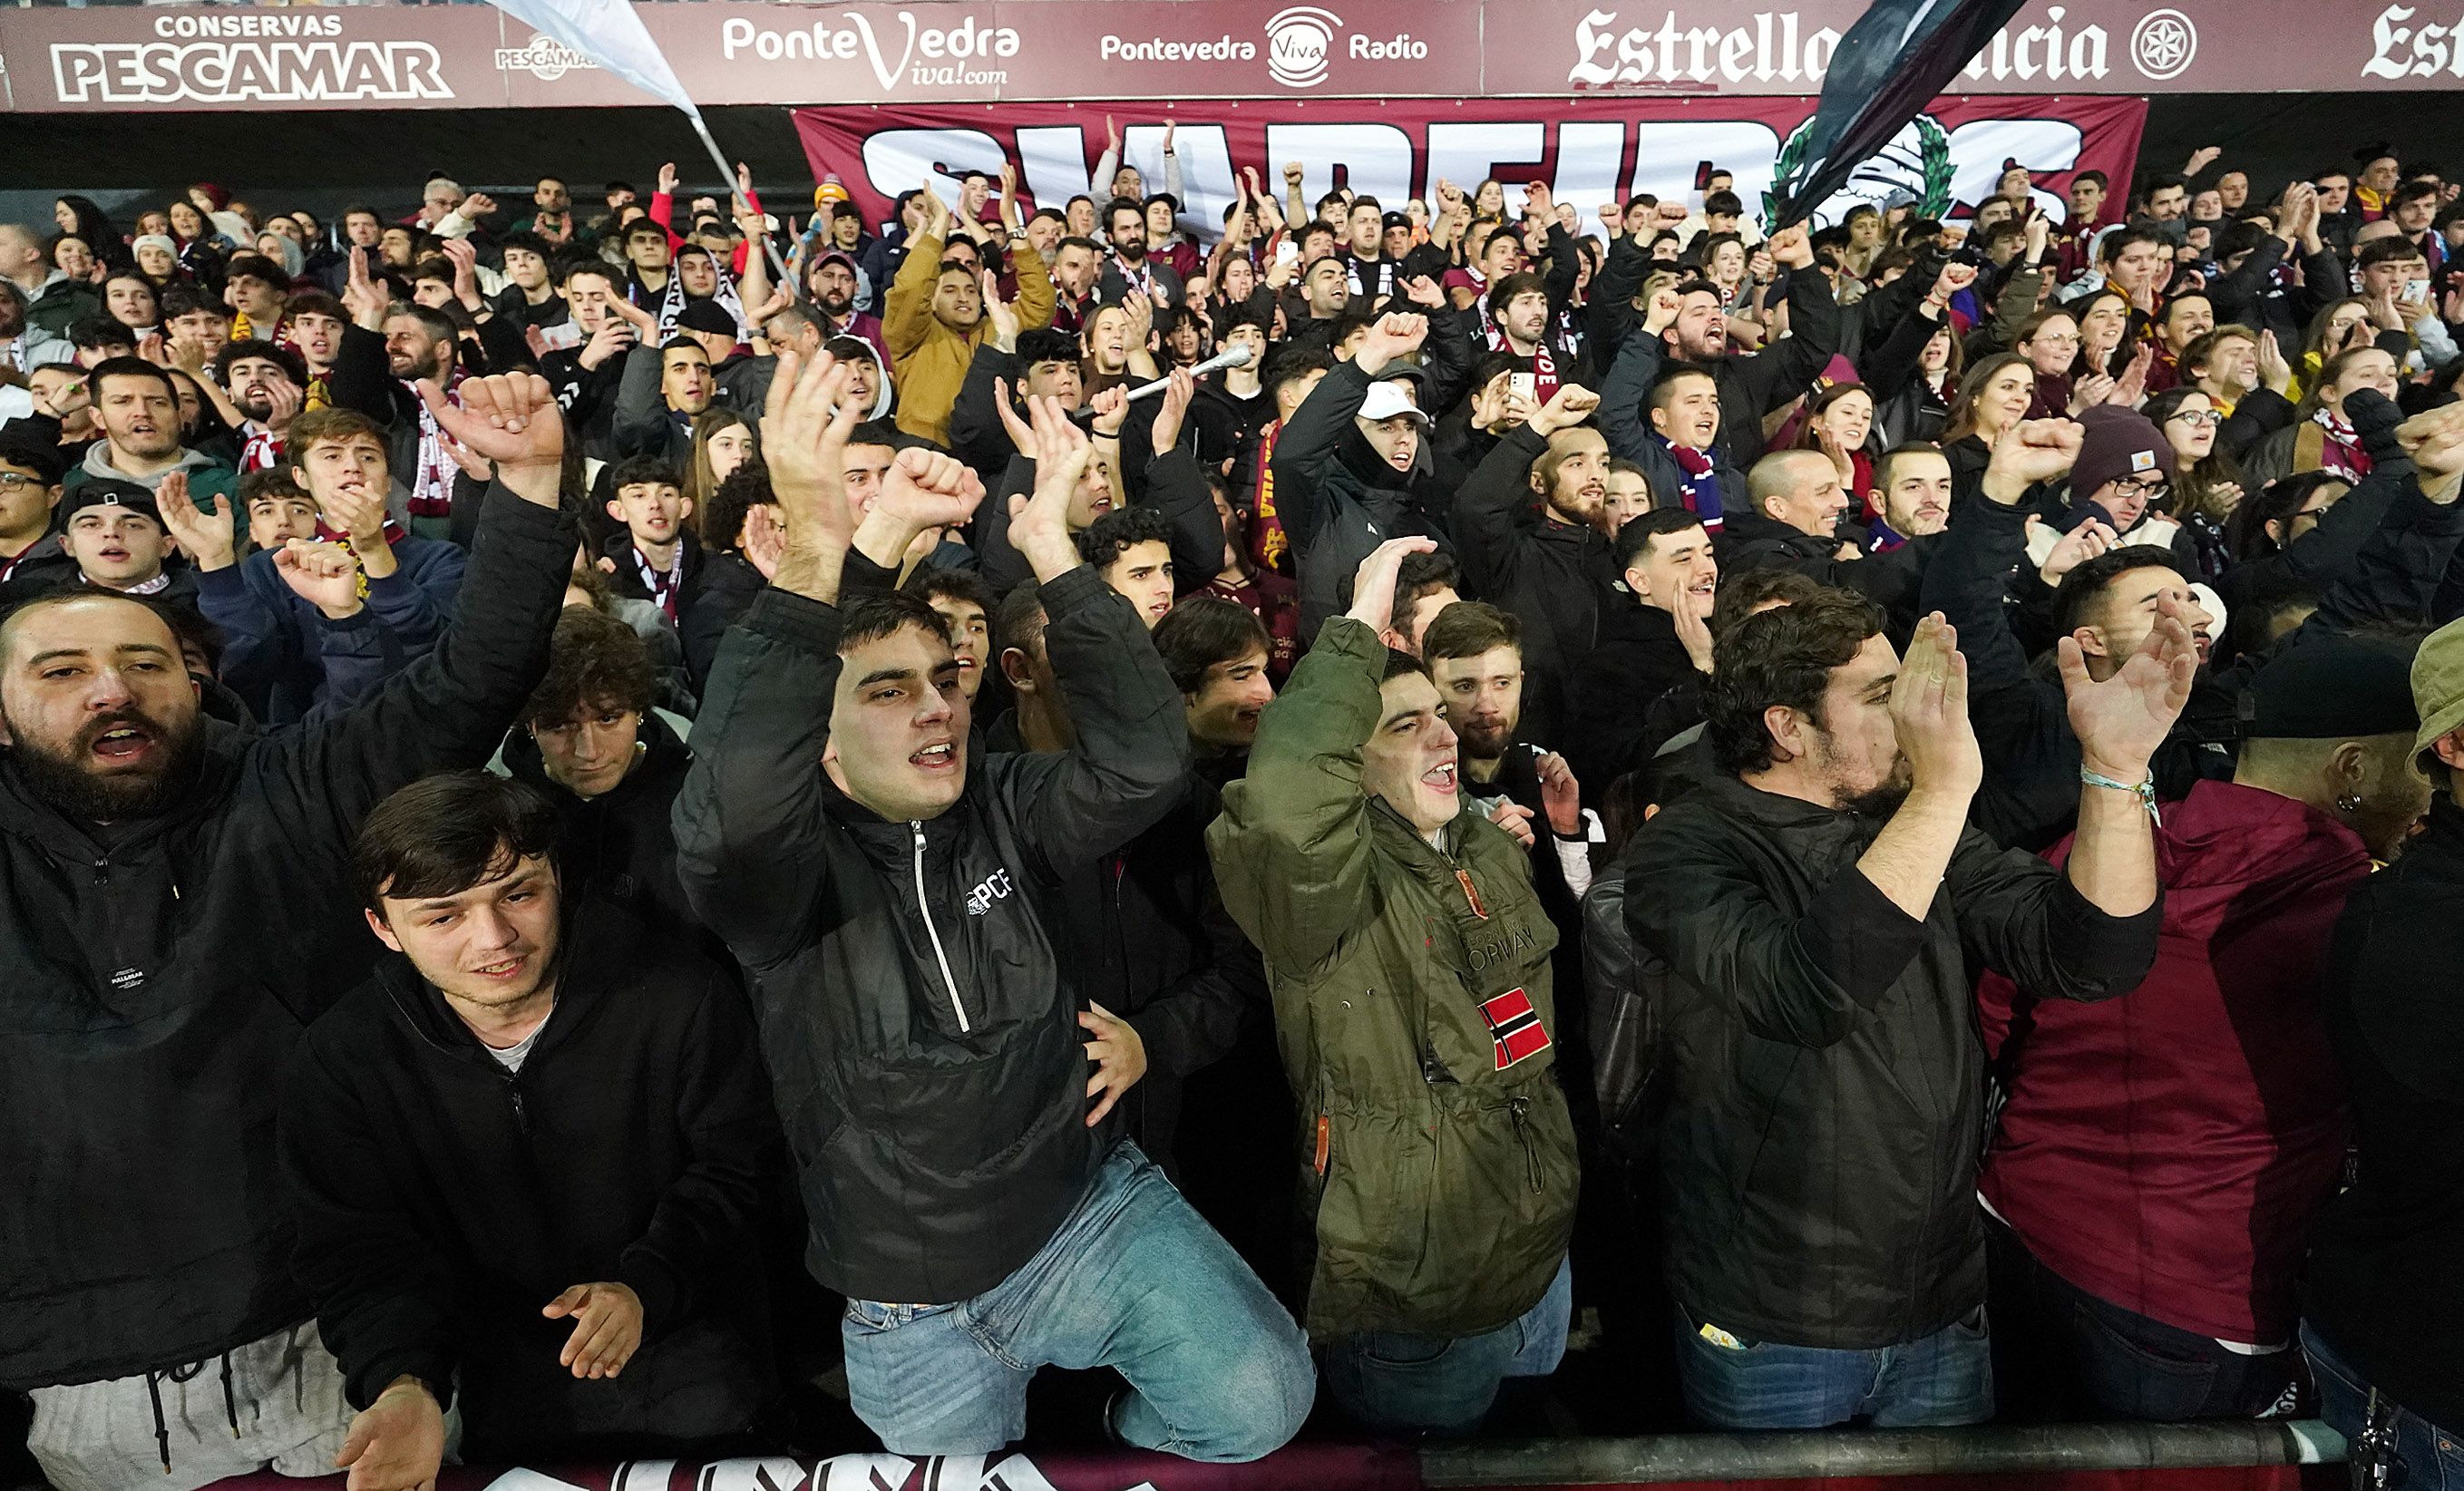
1933 161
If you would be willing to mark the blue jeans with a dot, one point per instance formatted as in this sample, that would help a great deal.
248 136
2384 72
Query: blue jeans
1133 1281
2427 1456
1397 1382
2057 1341
1946 1379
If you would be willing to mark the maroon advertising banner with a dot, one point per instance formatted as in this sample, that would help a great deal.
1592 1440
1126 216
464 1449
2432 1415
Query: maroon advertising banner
133 58
1590 151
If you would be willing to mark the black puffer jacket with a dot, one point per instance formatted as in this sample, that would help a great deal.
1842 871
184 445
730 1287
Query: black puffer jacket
1823 1080
158 978
442 1200
916 1017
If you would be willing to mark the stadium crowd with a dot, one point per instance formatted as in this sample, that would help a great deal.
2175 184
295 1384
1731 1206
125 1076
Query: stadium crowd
1310 811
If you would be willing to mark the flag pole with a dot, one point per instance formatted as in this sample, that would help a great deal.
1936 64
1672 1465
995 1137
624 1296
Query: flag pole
727 174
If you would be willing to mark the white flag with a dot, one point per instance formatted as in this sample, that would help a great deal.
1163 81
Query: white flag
610 34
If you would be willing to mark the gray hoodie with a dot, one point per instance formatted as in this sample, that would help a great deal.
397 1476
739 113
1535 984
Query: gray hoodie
196 463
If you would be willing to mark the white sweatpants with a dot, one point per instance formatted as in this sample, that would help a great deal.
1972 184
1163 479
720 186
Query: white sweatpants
286 1390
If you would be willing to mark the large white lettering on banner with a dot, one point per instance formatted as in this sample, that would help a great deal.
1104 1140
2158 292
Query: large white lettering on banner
1946 169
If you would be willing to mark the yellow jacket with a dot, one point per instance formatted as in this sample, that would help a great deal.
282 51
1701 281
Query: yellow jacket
930 360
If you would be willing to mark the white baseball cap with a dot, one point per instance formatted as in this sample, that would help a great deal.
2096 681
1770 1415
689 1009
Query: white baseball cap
1386 399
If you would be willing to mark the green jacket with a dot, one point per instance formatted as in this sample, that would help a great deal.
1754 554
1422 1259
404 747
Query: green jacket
1442 1184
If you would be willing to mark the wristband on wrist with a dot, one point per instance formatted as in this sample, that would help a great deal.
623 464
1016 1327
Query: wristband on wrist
2145 790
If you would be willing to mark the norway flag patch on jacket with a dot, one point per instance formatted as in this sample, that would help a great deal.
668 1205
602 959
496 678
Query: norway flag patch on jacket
1514 1026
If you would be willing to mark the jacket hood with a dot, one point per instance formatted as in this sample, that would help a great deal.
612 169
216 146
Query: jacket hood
594 948
97 463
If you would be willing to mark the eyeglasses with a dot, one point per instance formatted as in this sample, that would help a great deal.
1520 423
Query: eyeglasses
19 481
2195 418
2133 486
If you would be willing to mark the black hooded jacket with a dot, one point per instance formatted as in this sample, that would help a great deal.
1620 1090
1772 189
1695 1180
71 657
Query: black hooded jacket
443 1201
618 849
160 974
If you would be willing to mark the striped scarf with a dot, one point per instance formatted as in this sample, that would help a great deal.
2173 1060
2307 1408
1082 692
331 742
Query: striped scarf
1700 479
672 303
1544 365
259 450
2339 450
1269 546
432 480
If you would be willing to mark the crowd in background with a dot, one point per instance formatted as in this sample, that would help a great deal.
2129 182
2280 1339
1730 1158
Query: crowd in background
1325 813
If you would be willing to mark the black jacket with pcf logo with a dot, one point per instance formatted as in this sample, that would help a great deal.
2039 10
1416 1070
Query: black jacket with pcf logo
918 1014
443 1199
157 977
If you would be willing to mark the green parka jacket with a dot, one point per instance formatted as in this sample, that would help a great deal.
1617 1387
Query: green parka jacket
1417 1021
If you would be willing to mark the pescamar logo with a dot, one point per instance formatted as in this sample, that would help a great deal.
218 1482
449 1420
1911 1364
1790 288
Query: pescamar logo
1299 41
545 59
246 72
1917 161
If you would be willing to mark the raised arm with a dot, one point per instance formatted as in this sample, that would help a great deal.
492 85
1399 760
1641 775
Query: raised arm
1292 849
1788 366
1037 296
1126 769
907 310
2119 723
640 427
1487 510
1609 313
451 709
1175 487
1622 420
1893 362
749 817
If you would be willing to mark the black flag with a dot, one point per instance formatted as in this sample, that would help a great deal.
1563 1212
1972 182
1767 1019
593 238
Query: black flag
1888 67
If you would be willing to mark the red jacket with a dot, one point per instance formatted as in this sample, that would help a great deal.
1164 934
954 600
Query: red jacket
2167 1151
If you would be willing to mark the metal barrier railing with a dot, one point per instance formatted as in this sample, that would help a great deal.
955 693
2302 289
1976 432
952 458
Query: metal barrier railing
2001 1449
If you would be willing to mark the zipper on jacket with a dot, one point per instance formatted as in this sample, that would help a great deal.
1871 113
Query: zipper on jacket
521 1115
1471 894
1520 1108
934 932
103 872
